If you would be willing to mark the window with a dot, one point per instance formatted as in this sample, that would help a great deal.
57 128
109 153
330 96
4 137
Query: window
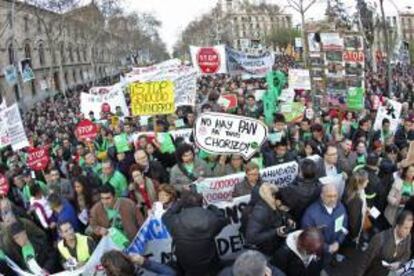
39 25
78 57
74 76
62 52
84 54
33 85
11 54
41 54
81 75
66 78
70 52
27 51
26 23
9 18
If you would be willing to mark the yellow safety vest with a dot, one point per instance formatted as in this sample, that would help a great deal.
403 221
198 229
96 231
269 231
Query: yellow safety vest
82 249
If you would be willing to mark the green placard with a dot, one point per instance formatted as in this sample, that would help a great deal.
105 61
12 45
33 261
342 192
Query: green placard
355 98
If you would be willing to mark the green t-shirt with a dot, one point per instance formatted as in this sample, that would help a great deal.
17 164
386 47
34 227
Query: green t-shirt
407 189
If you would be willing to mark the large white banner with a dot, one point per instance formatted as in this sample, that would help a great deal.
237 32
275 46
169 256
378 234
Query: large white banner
222 133
156 68
253 66
92 102
221 188
185 87
209 60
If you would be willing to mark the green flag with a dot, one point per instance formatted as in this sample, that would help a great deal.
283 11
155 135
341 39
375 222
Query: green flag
275 82
355 98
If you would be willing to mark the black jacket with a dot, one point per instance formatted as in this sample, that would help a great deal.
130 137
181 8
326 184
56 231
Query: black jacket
157 172
193 231
299 195
290 263
377 189
264 220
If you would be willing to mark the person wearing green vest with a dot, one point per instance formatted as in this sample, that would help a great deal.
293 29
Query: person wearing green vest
75 249
115 178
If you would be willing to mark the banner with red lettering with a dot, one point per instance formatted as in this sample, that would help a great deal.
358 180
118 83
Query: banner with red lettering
38 158
209 60
86 130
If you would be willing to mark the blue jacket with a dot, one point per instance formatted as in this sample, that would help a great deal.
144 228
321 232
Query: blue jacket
68 213
316 215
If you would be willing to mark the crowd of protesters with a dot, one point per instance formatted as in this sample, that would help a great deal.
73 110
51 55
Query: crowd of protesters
54 219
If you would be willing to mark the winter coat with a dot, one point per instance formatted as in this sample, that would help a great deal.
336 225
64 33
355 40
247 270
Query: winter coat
131 217
376 190
382 248
244 188
300 194
294 263
178 179
193 231
394 198
316 215
356 215
264 220
46 256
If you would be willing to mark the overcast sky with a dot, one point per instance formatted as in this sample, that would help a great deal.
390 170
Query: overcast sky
176 14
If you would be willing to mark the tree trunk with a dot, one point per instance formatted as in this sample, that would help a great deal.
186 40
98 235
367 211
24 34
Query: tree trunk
386 47
304 40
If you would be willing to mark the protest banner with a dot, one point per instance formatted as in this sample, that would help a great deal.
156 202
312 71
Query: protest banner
10 74
292 111
26 70
392 111
353 56
221 188
156 68
152 98
249 65
86 130
153 239
299 79
100 90
355 98
221 133
185 88
184 133
287 95
103 97
38 158
4 134
15 129
407 269
92 267
4 185
331 42
209 60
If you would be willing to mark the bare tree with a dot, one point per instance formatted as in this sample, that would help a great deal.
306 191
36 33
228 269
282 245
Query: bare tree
302 6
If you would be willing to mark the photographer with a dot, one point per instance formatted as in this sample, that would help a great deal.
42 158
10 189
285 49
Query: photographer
269 222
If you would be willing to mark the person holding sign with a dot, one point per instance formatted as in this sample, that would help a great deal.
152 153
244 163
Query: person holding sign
388 250
188 168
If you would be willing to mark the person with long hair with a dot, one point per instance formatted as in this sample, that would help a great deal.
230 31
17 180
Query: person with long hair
356 204
141 190
85 197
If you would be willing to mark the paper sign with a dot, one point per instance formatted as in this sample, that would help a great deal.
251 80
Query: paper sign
249 65
374 212
108 97
221 133
152 98
355 98
339 223
209 60
390 110
299 79
86 130
15 129
38 158
10 75
292 111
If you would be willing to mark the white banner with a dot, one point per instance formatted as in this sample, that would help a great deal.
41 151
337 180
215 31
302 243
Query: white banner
221 188
156 68
332 42
15 130
253 66
392 111
222 133
185 133
209 60
299 79
91 102
185 88
92 267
